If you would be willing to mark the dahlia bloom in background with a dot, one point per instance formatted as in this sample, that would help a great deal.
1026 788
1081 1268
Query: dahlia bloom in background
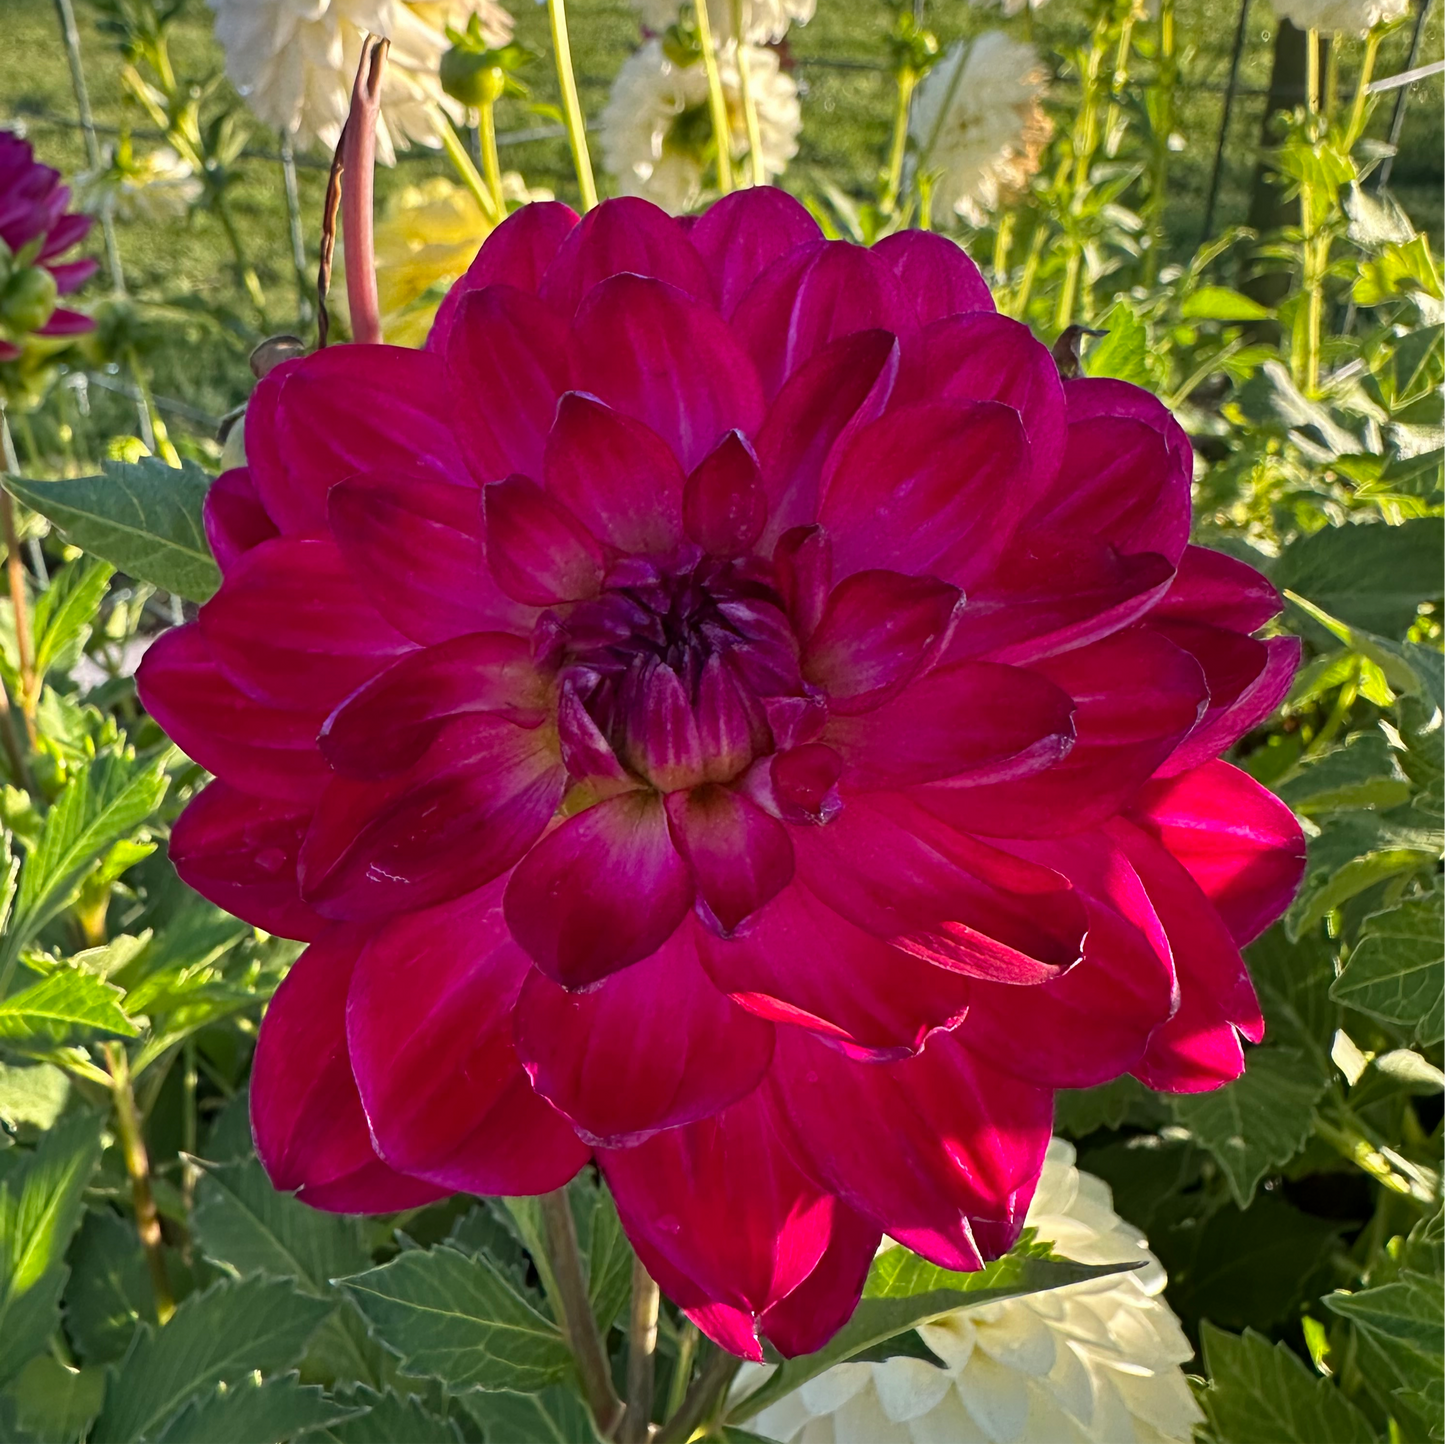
36 230
764 21
1092 1363
656 134
978 124
293 62
725 708
1347 17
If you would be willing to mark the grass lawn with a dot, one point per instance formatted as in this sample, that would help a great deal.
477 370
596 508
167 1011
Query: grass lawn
185 267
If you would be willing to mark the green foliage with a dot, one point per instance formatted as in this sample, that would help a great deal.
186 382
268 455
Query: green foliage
143 517
276 1408
554 1416
1396 971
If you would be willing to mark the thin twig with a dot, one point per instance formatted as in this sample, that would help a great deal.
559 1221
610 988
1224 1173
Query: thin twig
358 174
707 1389
641 1356
329 209
559 1234
137 1165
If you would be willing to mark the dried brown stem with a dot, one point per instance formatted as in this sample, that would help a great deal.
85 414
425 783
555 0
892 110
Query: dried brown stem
559 1234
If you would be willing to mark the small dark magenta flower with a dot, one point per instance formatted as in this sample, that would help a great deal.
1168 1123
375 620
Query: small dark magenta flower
35 230
725 708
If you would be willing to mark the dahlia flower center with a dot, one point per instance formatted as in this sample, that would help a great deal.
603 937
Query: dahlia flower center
669 674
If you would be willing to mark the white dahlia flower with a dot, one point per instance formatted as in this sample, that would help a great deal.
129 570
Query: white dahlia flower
156 186
1010 8
978 123
763 20
1348 17
293 61
656 129
1093 1363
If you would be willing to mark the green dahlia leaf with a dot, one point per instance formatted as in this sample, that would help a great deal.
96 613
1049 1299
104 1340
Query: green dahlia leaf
62 1003
217 1337
1261 1393
1258 1122
390 1418
555 1416
251 1412
458 1319
1397 970
143 517
1403 1322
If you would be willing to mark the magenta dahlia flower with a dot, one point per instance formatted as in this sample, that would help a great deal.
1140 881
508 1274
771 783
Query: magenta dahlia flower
726 709
35 229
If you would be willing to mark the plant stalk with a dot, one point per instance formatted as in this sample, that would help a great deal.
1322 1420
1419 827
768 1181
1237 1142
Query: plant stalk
295 228
1356 124
137 1165
756 169
641 1356
903 101
358 178
701 1399
716 101
11 742
465 167
24 641
491 161
682 1371
159 435
559 1235
571 105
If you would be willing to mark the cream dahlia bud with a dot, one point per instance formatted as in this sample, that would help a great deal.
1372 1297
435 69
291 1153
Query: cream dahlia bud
978 124
1097 1361
156 186
293 61
1347 17
656 131
764 21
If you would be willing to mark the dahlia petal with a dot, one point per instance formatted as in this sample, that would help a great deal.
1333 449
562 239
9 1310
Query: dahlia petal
973 720
306 1117
654 1046
586 753
1267 671
741 235
1126 471
73 275
446 1103
606 889
62 322
740 857
1050 592
387 725
262 749
537 550
935 273
986 357
843 387
1094 1021
801 962
460 816
618 478
725 715
724 505
234 518
878 630
803 564
897 873
804 1320
804 782
66 231
932 488
1135 695
292 628
626 236
811 296
1212 587
1235 838
240 851
1197 1048
941 1150
321 418
516 254
721 1206
407 525
667 360
509 358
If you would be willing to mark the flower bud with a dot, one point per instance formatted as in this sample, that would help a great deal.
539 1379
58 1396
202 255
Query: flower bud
28 299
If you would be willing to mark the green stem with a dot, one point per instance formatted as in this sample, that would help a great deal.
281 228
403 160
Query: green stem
137 1165
162 438
716 101
903 100
687 1337
641 1356
245 272
757 171
559 1234
1356 125
1163 127
465 169
1312 71
1068 292
571 106
1031 267
698 1404
491 161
